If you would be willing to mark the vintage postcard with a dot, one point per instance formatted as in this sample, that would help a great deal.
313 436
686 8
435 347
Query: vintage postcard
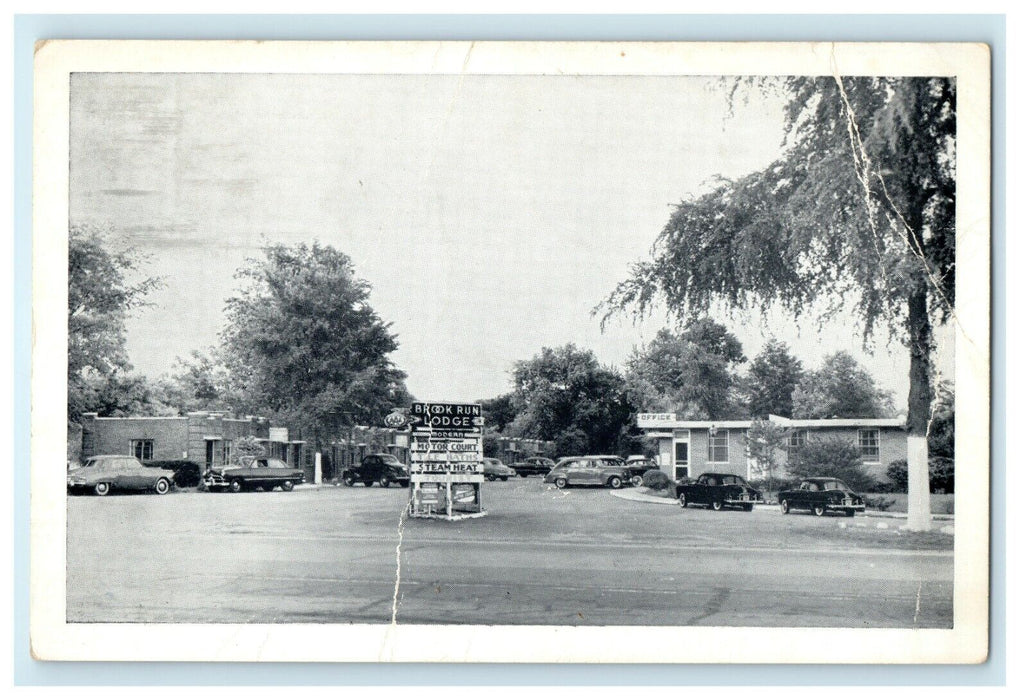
511 352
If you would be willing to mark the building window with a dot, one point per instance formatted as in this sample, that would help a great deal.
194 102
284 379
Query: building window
142 449
680 459
718 447
797 439
870 445
226 452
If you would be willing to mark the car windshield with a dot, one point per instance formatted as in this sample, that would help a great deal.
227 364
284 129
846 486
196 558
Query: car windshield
835 486
391 459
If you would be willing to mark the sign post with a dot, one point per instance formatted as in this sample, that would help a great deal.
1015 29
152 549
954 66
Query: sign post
446 462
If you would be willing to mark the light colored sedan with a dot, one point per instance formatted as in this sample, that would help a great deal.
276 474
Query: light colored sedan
495 469
103 473
589 470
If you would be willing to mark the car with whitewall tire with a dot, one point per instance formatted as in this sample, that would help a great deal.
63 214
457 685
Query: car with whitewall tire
589 470
104 474
252 473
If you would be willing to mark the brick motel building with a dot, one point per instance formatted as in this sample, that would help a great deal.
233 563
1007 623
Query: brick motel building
203 437
207 438
690 447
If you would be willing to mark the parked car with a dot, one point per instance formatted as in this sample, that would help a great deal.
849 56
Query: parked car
495 469
637 467
383 469
103 473
820 495
589 470
187 473
533 466
251 473
718 491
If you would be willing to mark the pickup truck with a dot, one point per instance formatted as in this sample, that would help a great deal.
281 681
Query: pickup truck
251 473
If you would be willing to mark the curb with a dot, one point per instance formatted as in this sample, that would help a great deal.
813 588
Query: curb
633 495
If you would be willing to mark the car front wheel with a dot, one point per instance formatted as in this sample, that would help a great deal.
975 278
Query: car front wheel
636 480
287 485
102 489
615 482
819 510
384 482
161 487
503 478
490 477
236 485
717 504
560 482
348 480
785 507
683 500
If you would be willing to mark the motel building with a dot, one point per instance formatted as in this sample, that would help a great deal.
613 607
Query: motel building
204 437
692 447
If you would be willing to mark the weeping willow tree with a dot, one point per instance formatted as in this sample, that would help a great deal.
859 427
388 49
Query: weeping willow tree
857 213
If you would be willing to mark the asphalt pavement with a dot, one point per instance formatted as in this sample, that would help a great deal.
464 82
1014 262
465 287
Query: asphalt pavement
541 556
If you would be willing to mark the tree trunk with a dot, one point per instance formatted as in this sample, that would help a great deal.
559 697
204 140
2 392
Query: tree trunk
919 410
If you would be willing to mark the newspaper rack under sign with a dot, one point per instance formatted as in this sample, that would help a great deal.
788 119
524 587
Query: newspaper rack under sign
446 461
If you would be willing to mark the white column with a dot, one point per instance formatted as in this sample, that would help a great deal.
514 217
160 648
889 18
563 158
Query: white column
317 467
918 512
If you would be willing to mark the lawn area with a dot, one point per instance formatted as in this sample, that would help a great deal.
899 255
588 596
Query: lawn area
941 503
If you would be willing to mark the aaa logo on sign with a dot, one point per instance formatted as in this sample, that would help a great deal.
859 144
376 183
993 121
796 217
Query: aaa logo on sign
396 419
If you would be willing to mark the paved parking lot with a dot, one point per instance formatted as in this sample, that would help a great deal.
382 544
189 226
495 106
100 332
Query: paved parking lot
541 556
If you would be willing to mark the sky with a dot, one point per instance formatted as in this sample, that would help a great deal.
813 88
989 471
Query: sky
489 213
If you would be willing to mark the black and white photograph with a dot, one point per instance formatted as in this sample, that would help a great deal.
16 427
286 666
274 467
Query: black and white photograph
457 351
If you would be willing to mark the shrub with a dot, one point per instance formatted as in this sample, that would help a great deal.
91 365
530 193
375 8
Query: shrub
655 479
942 474
898 472
835 457
187 474
879 502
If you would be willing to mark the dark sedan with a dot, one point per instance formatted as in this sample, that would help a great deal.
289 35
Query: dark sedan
251 473
638 466
718 491
382 469
533 466
820 495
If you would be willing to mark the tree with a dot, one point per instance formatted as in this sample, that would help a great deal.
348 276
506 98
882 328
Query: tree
100 297
858 211
248 446
690 372
941 438
765 441
841 388
303 343
771 380
200 383
500 411
569 398
123 394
